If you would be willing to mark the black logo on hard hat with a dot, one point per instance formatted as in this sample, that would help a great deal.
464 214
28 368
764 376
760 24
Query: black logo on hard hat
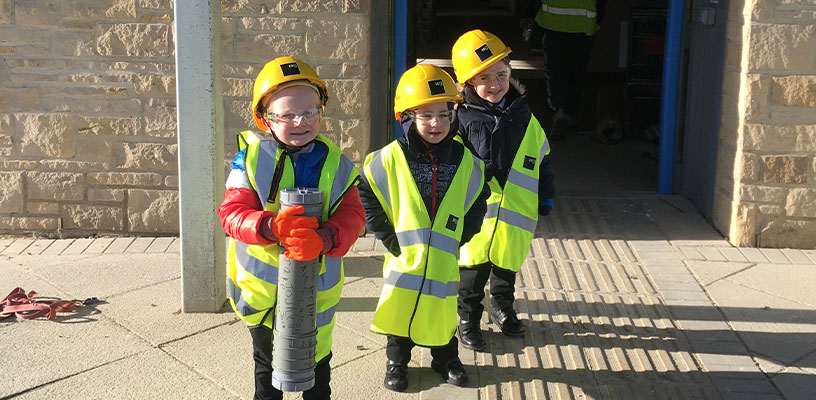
436 87
452 222
484 53
290 69
529 162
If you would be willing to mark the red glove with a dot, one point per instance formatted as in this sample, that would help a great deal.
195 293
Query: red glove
281 224
303 244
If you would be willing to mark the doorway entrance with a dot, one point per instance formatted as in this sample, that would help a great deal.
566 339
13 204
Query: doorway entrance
613 147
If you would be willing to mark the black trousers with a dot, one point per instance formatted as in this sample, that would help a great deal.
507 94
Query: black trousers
566 55
472 281
398 349
262 353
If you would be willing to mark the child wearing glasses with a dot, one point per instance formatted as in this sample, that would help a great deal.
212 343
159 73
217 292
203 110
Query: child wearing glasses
424 196
287 104
499 128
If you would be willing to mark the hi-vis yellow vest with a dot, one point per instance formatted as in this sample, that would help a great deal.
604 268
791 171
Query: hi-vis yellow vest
571 16
252 270
512 211
418 299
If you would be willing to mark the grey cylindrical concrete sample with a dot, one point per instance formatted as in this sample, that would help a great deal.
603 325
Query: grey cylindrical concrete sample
295 334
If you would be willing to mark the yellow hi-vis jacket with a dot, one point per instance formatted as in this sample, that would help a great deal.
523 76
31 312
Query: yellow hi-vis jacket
418 299
570 16
252 270
512 210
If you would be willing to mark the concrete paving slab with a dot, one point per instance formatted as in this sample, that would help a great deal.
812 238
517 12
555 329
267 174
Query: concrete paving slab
57 247
356 310
152 374
775 256
362 378
174 247
38 246
222 354
797 256
733 254
754 255
795 383
139 245
78 246
154 313
17 246
98 246
160 245
39 351
793 282
769 326
119 245
102 276
691 253
712 254
708 272
5 242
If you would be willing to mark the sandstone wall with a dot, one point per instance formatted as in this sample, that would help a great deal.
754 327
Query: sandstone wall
766 175
87 102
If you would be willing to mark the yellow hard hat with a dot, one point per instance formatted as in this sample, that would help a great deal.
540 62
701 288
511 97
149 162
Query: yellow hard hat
424 84
474 51
280 73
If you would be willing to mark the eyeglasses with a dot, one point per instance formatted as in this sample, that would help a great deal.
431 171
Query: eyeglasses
307 116
427 117
485 79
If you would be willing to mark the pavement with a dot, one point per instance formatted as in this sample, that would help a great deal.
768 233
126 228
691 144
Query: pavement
622 298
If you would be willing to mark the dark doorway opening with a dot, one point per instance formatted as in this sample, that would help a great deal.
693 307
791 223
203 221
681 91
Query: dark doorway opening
615 146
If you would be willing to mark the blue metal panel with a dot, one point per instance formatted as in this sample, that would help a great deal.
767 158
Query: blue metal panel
400 49
668 106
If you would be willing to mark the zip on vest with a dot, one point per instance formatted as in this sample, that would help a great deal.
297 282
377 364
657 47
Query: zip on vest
434 167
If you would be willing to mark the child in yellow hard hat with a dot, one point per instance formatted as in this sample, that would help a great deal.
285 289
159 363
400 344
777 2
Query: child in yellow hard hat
499 127
424 196
288 102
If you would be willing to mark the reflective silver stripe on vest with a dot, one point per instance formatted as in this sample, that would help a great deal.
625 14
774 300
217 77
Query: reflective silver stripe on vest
240 304
341 178
263 176
517 220
492 210
324 318
416 236
524 181
257 268
473 182
415 282
269 273
379 176
544 149
445 243
331 277
569 11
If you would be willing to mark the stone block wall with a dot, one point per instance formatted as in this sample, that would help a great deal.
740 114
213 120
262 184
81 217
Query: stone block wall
765 192
88 102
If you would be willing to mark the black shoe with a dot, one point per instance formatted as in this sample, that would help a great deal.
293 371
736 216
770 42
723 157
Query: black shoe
453 372
470 335
507 321
396 376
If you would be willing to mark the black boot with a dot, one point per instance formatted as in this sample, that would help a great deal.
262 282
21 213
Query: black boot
396 376
508 321
470 335
452 372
